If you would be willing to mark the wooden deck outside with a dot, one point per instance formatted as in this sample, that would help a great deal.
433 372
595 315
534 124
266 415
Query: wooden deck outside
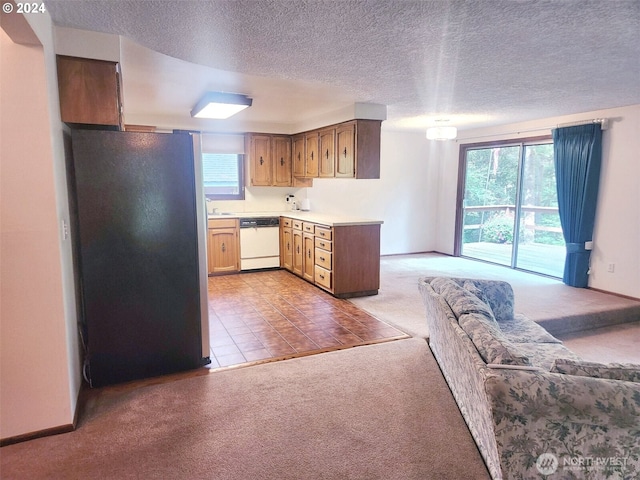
533 257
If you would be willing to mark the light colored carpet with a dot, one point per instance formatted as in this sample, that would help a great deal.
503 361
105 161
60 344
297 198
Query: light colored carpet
559 308
373 412
618 343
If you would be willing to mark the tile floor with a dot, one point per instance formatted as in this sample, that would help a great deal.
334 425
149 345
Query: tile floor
266 316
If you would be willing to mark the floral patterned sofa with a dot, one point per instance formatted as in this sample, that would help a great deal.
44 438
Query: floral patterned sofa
535 410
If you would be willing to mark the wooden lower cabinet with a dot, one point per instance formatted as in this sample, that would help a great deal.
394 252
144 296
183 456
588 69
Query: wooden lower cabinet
343 260
356 260
308 262
223 246
286 244
297 252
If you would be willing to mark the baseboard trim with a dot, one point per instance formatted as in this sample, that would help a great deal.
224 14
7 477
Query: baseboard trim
413 253
47 432
621 295
37 434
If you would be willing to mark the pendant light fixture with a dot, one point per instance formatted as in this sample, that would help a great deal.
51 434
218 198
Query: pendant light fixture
220 105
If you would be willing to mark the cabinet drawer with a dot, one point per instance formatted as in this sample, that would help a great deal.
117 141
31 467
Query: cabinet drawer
324 244
323 277
286 222
222 223
323 258
323 232
297 224
308 227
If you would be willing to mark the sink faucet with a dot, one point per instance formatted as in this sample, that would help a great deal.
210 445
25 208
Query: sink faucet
212 211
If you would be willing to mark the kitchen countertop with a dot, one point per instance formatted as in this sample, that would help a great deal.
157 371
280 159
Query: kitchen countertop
315 217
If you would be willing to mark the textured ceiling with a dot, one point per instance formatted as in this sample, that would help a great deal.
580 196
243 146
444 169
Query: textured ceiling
476 62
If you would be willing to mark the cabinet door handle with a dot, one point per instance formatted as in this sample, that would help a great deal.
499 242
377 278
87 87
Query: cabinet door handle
322 258
309 253
312 156
321 276
298 249
261 161
345 152
224 248
298 156
327 154
281 162
288 246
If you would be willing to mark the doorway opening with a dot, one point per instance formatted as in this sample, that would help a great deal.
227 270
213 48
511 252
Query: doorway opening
507 207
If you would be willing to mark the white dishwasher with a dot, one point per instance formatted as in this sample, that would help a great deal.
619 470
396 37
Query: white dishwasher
259 242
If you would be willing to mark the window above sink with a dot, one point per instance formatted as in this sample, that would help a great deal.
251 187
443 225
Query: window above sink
222 175
223 164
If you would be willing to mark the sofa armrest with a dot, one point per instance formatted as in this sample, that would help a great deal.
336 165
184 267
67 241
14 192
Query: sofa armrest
570 417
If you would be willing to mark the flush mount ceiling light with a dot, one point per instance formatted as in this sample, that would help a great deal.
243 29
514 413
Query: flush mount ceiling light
442 132
220 105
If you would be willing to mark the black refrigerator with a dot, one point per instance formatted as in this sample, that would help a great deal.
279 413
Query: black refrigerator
140 254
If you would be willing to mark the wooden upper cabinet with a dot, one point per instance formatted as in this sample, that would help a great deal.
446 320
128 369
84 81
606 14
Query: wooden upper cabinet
327 148
281 155
269 159
298 142
89 91
311 158
260 160
367 148
350 149
345 149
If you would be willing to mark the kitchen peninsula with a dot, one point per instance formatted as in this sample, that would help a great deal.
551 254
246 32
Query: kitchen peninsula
339 254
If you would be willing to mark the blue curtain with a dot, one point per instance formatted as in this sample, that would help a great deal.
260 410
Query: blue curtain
577 158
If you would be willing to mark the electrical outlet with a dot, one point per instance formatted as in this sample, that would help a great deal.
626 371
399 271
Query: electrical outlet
611 267
65 229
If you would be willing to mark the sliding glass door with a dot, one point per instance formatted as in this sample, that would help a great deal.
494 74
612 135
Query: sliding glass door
508 213
489 202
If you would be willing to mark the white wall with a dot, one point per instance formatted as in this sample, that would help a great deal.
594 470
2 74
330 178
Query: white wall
83 43
40 367
403 197
617 229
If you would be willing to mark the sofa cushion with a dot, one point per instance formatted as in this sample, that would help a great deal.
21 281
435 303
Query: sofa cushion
498 295
543 355
492 346
473 288
613 371
460 299
522 330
